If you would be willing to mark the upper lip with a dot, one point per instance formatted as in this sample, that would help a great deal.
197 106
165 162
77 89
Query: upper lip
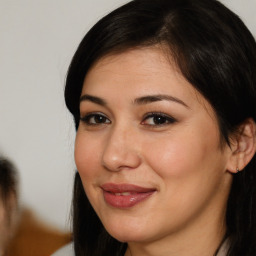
123 187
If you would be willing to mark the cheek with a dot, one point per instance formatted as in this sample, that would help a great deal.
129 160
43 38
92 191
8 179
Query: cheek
183 154
86 156
190 169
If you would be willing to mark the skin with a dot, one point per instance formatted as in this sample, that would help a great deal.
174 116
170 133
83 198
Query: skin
182 159
3 228
8 216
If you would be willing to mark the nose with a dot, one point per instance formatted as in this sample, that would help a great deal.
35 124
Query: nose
121 151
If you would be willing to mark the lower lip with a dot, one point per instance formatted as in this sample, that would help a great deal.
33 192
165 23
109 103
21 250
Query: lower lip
125 201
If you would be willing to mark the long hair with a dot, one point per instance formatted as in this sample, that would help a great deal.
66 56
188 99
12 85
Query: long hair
216 53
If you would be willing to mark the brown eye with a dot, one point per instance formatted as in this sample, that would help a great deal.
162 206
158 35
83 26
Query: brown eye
98 119
95 119
158 119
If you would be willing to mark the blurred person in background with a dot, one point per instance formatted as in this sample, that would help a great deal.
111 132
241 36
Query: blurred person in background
21 233
8 203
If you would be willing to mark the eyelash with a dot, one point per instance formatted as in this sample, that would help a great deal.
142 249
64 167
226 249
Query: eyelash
166 119
103 119
87 119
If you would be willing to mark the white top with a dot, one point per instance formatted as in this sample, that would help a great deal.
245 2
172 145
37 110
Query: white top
224 248
67 250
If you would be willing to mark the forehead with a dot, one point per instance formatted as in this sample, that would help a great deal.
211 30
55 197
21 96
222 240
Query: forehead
139 56
142 63
140 71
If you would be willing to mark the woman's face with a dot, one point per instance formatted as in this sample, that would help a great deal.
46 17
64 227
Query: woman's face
148 149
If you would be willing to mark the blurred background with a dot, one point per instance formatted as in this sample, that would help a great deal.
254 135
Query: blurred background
38 39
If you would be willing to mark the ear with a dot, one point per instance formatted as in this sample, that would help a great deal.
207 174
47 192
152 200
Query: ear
243 146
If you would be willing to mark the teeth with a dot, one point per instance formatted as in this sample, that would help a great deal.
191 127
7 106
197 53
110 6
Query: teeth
123 194
126 193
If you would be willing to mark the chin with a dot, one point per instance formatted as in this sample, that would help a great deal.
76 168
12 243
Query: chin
125 238
128 234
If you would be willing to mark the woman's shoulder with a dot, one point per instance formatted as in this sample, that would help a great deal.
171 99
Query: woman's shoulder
67 250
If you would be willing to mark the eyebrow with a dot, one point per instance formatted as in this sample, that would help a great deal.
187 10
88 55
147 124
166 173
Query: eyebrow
159 97
93 99
139 101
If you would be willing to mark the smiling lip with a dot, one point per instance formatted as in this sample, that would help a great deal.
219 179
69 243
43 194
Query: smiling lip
125 195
